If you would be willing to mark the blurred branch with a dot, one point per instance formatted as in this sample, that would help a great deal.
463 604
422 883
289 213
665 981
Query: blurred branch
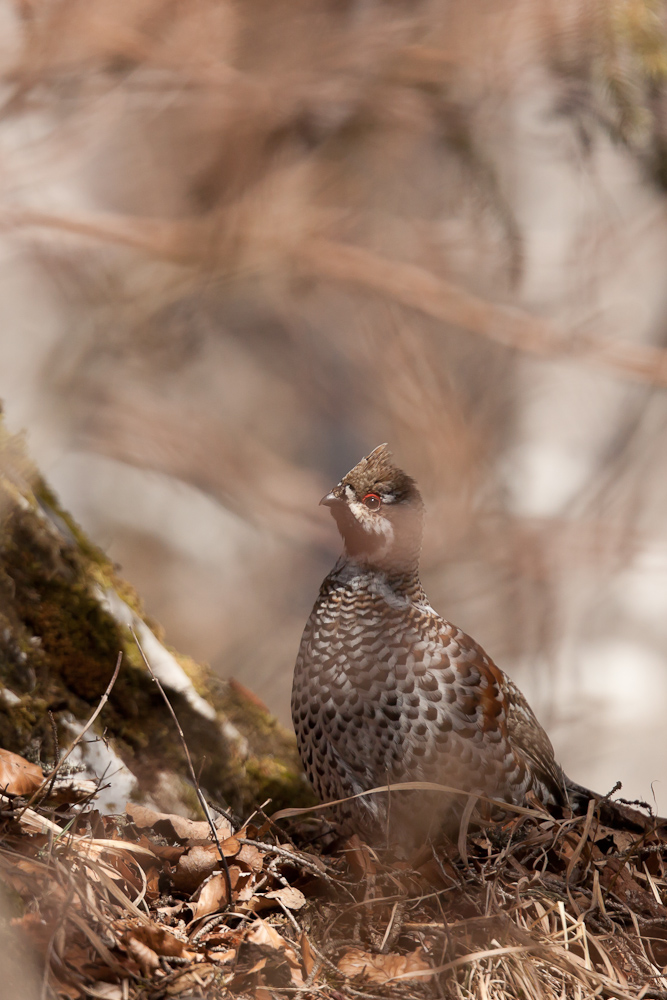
230 464
177 242
190 242
419 289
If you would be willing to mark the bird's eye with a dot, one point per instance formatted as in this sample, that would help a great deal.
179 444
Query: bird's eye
372 501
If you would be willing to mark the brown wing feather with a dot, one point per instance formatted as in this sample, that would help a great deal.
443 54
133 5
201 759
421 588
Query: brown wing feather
527 735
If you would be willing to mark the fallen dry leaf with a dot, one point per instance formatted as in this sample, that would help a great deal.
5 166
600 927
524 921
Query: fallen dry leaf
200 861
307 956
195 866
359 857
17 775
171 825
257 967
245 886
164 852
119 847
169 914
382 968
290 897
70 788
222 957
144 955
230 847
212 897
251 858
106 991
198 977
263 933
160 940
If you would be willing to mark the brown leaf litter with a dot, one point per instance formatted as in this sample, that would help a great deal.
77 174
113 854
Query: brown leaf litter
138 907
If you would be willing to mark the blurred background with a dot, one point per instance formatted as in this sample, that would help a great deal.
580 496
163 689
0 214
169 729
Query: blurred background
242 242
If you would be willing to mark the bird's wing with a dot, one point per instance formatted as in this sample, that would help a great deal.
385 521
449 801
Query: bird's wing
494 701
527 735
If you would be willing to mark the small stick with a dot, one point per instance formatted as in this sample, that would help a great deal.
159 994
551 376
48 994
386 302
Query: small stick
225 813
54 734
297 858
202 801
47 784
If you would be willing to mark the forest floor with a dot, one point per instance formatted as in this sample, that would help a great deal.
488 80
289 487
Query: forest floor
144 905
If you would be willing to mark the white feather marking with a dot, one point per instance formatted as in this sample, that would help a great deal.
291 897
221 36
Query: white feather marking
383 590
372 521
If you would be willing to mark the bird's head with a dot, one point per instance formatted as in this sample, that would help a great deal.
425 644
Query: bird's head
379 512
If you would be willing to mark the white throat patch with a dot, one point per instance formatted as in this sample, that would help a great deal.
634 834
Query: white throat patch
373 522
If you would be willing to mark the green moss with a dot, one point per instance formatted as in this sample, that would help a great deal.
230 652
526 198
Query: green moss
198 673
273 769
53 601
268 778
17 722
191 800
630 69
99 568
49 501
639 26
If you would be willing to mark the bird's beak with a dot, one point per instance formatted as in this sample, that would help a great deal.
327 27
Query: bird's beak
330 500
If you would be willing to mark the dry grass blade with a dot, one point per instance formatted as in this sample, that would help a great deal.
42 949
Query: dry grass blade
109 959
414 786
121 898
583 840
463 830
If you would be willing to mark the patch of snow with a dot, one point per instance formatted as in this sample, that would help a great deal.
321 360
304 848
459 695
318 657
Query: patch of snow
101 762
163 663
8 697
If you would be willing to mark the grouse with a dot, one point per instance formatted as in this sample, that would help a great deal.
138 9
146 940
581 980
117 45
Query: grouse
386 691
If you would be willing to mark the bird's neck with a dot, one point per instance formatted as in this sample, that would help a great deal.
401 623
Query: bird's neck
401 578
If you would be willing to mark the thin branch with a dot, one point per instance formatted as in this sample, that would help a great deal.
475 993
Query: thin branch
46 786
176 242
295 857
202 801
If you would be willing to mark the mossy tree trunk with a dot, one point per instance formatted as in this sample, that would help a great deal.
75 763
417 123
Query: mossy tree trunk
60 635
